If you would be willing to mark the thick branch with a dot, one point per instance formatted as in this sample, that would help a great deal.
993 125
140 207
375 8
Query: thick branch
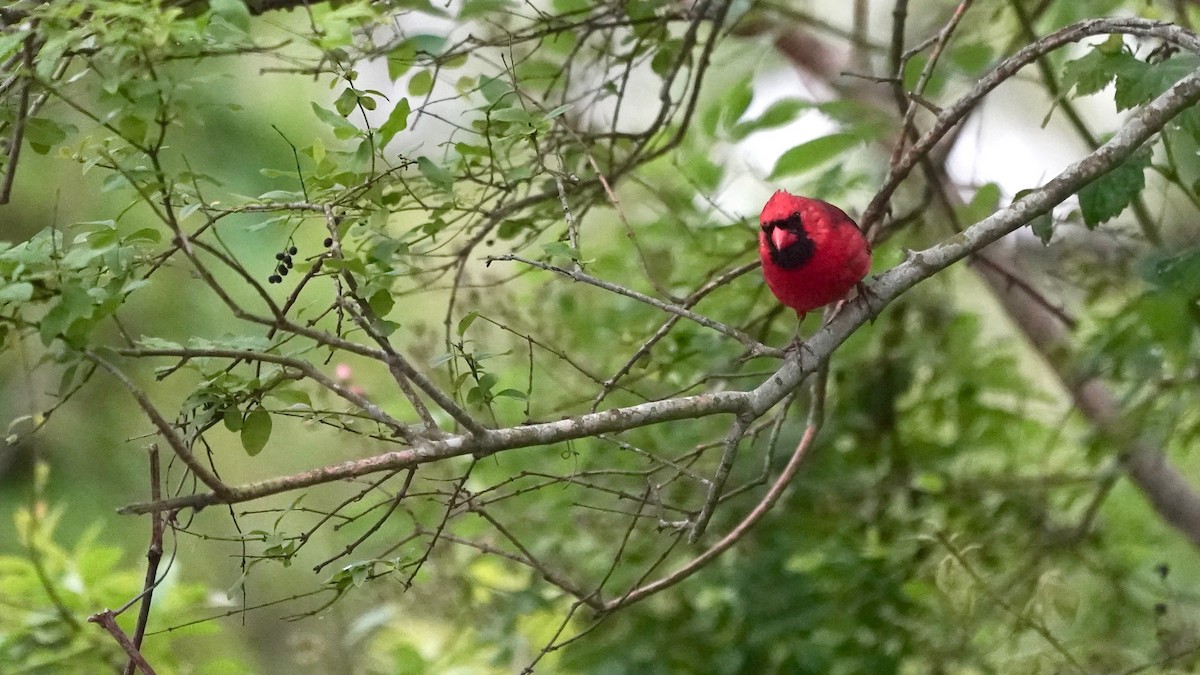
1163 486
919 266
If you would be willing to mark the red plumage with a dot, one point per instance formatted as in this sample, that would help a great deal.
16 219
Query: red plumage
812 253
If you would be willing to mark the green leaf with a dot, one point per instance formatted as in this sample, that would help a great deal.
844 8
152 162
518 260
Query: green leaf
493 89
808 156
43 134
737 100
512 227
1138 82
150 342
778 114
421 83
665 57
342 128
232 417
290 396
397 121
436 175
472 9
9 42
1106 197
147 235
561 249
973 58
465 322
1179 272
234 12
381 302
256 431
346 102
558 111
385 327
1043 225
983 203
704 173
515 115
20 291
1094 70
400 59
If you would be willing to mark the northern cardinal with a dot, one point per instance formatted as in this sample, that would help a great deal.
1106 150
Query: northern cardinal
812 253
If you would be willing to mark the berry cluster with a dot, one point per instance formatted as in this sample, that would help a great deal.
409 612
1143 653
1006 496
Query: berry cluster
285 265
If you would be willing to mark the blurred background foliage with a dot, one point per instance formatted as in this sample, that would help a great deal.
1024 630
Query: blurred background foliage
957 513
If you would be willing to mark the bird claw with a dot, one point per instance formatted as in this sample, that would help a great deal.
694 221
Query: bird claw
867 295
798 344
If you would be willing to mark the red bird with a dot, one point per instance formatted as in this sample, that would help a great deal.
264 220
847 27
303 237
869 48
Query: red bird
812 253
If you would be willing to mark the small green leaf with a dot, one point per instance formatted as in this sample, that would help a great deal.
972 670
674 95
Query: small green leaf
346 102
972 57
982 204
512 227
1178 272
381 302
256 431
561 249
421 83
512 393
558 111
43 134
1043 225
808 156
465 322
385 327
292 397
472 9
400 59
151 342
436 175
147 235
778 114
1106 197
514 115
20 291
10 41
397 121
232 417
234 12
342 128
736 101
1096 69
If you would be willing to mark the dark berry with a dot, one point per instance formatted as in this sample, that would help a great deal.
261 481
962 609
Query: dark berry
1160 608
328 242
275 279
1162 570
283 271
287 260
293 250
279 256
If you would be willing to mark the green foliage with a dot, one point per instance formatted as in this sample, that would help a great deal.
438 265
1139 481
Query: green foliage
50 589
1106 197
345 293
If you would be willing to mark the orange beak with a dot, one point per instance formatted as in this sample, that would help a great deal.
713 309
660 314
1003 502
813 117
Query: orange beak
782 238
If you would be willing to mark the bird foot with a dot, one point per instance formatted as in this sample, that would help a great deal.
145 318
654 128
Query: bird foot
864 292
798 344
868 295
